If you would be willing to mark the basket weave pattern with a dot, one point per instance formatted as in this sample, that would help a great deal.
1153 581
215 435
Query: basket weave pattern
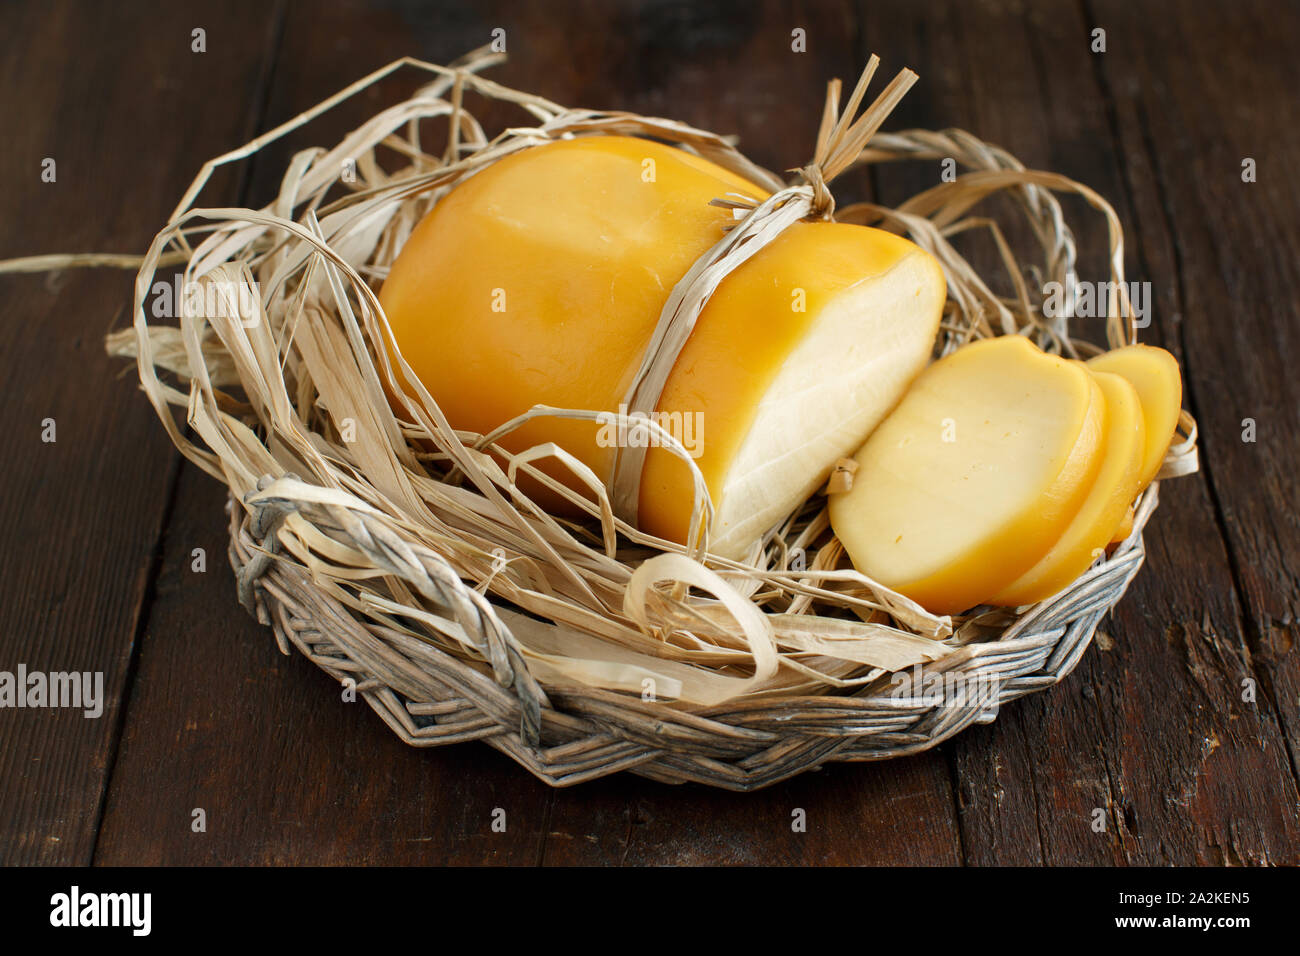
431 699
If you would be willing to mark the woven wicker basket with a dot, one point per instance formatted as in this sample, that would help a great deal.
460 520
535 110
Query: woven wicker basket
430 699
416 583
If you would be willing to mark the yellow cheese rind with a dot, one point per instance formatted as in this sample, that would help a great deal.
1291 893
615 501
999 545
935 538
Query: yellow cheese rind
1153 372
1125 525
976 473
540 280
783 394
1104 508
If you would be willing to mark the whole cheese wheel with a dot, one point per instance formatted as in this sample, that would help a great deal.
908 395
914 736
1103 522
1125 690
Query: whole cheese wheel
1153 372
1103 510
975 475
540 279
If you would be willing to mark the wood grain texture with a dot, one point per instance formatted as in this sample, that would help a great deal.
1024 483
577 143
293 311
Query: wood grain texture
1029 783
112 96
1232 249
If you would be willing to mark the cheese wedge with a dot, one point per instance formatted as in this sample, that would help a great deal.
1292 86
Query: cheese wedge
980 469
1153 372
1104 508
782 394
540 279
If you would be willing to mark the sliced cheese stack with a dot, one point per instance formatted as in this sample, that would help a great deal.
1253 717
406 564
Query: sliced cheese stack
540 279
1004 472
982 466
1103 510
1154 374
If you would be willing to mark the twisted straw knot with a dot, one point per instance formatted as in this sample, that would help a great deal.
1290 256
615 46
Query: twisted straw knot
265 518
823 203
267 515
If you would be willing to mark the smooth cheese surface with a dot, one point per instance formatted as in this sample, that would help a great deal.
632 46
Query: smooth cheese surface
1154 373
1103 510
1125 526
798 355
540 280
975 475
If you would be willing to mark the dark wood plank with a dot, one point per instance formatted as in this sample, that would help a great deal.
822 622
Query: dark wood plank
1152 733
899 812
1198 115
128 112
991 90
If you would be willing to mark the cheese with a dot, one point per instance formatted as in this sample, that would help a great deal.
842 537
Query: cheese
783 394
1104 509
975 475
540 279
1153 372
1126 524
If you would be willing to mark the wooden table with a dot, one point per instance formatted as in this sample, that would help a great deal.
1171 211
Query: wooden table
1156 727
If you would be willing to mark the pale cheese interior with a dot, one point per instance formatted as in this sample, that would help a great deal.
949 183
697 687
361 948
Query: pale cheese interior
850 369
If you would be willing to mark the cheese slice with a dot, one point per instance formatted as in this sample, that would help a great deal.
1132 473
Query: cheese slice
540 279
1153 372
975 475
1104 508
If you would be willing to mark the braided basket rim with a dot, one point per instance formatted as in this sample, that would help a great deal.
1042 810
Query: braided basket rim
588 733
